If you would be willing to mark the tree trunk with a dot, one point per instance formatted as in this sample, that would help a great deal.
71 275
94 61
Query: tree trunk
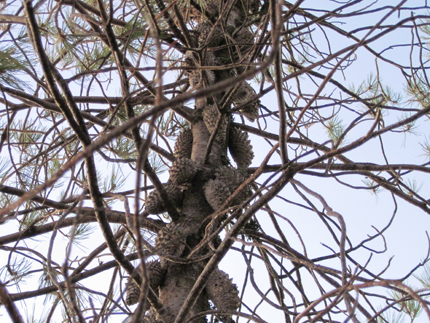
202 170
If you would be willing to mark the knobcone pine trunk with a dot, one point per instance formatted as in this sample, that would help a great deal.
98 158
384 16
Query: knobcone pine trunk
202 177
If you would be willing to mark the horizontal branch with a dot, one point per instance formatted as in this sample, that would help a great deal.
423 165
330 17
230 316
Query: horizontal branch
72 279
64 204
39 199
86 215
45 104
368 167
12 19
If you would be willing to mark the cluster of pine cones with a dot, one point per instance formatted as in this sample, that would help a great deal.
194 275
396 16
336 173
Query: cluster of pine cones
226 179
220 289
222 41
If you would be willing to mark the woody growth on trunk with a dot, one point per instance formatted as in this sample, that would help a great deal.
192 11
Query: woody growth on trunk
202 177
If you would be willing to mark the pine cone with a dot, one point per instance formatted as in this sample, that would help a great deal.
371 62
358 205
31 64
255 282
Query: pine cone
156 276
169 240
251 110
197 73
244 93
210 116
153 204
184 144
132 292
212 7
233 178
211 59
182 171
235 16
216 193
223 293
244 40
240 148
196 80
210 36
254 6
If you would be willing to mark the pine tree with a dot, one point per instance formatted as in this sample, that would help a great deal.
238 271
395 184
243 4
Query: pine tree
167 135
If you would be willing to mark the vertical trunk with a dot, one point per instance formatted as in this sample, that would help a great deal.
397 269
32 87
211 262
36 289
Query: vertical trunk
206 181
